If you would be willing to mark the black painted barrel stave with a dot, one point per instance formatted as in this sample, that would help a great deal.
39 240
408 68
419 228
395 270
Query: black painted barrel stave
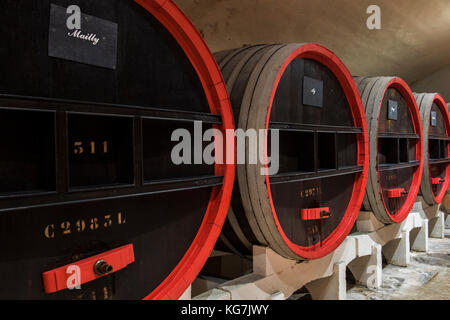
86 152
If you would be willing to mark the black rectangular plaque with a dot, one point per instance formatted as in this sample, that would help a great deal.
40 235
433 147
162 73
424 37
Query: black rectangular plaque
95 43
392 110
433 118
312 92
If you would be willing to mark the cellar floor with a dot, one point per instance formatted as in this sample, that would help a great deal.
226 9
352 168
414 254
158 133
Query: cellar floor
427 277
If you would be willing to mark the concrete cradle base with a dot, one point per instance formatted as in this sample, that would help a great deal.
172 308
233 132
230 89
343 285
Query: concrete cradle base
396 239
445 207
277 278
436 218
187 295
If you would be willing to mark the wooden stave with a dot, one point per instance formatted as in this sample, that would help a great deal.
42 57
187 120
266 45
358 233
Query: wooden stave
372 199
365 86
250 205
230 79
257 119
425 101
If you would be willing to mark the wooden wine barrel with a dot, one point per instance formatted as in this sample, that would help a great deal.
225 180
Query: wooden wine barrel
436 132
306 94
89 194
396 147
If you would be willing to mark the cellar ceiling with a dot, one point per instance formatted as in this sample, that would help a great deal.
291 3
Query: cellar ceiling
413 42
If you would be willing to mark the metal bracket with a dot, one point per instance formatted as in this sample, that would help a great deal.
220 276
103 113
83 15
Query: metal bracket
315 214
396 193
437 181
89 269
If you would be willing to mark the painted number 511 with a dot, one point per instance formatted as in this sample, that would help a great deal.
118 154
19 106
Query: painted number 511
80 149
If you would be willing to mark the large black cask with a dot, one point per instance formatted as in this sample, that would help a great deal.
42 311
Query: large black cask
436 132
87 182
307 208
396 147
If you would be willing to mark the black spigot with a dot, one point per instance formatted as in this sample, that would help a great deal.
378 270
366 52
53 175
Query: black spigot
101 267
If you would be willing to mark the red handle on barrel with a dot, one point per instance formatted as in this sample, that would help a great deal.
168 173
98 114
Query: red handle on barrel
88 269
436 181
396 193
315 214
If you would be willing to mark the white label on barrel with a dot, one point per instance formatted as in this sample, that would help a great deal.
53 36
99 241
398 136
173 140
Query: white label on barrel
433 118
392 110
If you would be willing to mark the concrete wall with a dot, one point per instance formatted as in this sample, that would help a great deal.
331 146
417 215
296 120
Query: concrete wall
436 82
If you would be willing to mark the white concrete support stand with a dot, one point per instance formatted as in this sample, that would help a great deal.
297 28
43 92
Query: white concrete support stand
275 277
187 294
419 238
445 207
333 287
397 251
367 269
447 221
437 226
436 218
397 239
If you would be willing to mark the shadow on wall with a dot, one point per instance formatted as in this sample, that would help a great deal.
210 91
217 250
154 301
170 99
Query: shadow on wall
436 82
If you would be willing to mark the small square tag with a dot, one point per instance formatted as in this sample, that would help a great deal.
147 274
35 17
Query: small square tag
392 110
433 118
312 92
